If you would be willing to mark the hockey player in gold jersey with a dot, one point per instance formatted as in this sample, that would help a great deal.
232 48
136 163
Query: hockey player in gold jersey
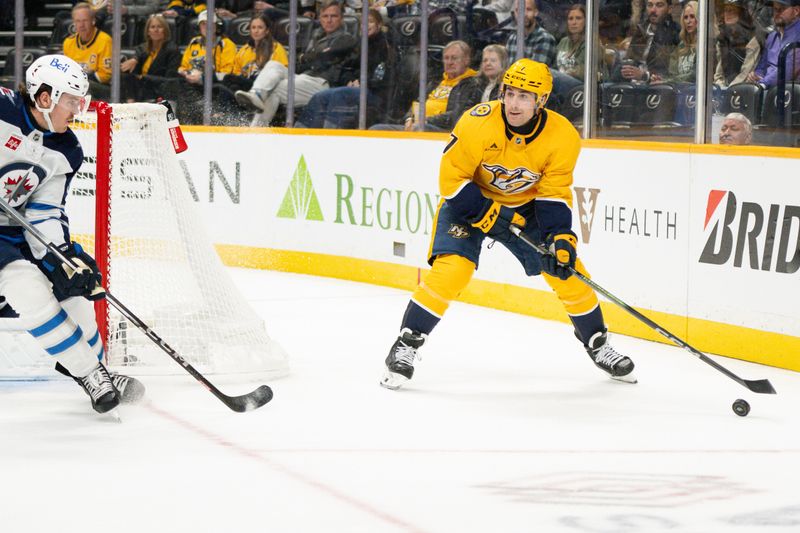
509 161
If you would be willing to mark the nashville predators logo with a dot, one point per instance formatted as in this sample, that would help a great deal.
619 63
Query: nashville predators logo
457 231
511 181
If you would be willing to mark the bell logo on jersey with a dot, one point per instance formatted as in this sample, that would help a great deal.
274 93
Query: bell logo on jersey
511 181
18 181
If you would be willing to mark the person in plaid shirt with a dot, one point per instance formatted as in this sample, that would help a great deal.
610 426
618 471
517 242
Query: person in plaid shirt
540 45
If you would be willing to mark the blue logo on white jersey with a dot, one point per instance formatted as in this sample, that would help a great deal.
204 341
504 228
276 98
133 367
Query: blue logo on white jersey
18 181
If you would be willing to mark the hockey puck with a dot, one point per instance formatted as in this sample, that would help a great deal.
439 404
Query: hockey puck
741 407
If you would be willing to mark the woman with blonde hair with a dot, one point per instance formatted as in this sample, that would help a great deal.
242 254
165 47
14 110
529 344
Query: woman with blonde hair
683 60
155 60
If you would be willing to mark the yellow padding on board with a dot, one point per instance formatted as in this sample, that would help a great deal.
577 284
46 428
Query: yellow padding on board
578 298
444 283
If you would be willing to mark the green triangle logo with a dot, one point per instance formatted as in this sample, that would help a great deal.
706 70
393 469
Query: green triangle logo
300 200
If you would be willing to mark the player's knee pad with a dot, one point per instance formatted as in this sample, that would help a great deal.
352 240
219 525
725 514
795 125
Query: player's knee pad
449 276
577 297
28 292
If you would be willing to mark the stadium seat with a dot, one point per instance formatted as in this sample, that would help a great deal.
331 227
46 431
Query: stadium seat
791 106
744 98
62 28
405 30
656 106
239 30
131 32
352 24
304 30
442 27
618 101
572 106
28 57
685 104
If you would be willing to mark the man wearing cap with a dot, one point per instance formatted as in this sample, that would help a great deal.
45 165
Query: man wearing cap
785 14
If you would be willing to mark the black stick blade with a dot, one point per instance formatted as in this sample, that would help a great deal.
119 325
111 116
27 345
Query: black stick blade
761 386
250 401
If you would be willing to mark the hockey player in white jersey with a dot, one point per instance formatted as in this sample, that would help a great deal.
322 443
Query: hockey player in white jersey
39 155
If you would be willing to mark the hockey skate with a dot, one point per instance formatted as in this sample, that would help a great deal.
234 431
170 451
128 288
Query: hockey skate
605 357
400 361
130 389
100 389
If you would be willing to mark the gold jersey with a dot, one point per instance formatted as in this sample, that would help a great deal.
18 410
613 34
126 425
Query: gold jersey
509 168
194 56
94 56
244 64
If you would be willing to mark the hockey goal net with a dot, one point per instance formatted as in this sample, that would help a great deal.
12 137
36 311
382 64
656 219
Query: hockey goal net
130 205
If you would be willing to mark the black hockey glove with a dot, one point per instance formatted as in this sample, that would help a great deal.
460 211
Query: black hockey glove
562 254
494 220
83 280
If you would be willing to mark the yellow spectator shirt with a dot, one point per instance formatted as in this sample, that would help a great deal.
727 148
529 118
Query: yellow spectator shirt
509 168
93 56
197 7
437 98
195 55
244 64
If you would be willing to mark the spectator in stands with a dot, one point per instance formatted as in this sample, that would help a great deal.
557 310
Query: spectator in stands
184 8
570 54
473 90
540 45
786 15
156 60
456 57
494 62
571 50
684 58
262 52
328 61
737 46
91 49
188 90
651 46
339 107
736 129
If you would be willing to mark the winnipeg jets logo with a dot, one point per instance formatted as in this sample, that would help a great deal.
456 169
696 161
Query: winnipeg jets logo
511 181
18 181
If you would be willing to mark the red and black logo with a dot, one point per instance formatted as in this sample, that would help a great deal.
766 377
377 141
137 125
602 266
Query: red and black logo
766 236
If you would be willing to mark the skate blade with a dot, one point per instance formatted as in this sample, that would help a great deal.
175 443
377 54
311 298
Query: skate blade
629 378
112 416
392 381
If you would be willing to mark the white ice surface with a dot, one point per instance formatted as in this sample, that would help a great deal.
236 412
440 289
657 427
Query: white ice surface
506 427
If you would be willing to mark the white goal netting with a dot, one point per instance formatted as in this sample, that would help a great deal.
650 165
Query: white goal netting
161 263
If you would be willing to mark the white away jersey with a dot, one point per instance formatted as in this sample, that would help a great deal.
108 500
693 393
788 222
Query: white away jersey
36 168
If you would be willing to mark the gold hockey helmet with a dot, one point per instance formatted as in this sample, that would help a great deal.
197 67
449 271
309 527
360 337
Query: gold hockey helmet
532 76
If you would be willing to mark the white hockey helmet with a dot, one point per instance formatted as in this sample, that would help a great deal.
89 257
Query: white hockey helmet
64 76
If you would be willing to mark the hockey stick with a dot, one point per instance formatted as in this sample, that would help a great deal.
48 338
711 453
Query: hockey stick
240 404
761 386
